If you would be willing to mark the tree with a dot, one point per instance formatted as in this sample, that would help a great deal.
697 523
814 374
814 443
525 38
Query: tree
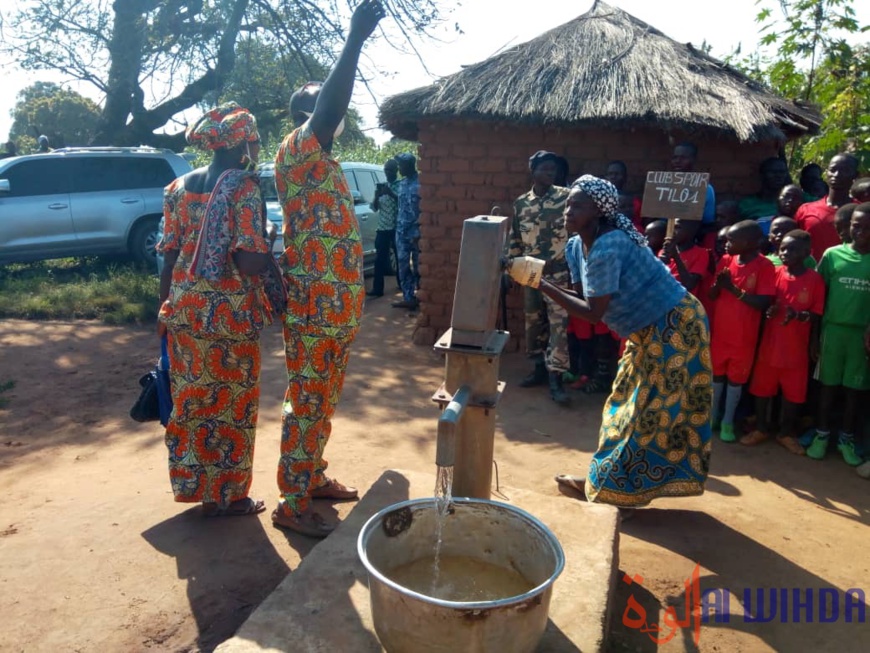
63 115
125 47
816 62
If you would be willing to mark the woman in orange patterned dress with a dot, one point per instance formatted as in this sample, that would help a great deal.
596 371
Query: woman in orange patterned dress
215 245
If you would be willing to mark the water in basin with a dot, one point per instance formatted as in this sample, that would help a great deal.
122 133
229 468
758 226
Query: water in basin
459 578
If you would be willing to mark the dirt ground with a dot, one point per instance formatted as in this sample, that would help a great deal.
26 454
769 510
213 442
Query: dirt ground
96 556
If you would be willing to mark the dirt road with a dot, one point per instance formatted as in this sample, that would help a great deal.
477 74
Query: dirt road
95 555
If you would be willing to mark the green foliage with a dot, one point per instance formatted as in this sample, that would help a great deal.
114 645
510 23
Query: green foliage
816 61
66 117
263 80
152 60
370 152
90 288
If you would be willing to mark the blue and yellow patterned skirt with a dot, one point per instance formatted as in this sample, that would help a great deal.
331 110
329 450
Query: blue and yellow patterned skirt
655 434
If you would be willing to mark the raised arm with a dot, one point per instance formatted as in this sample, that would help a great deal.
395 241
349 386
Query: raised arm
334 97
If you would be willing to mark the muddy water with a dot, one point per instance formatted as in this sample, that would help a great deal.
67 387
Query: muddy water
460 578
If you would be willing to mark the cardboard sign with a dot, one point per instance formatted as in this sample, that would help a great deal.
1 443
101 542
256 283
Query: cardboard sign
672 195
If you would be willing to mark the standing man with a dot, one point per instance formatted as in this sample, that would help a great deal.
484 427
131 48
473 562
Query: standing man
386 203
408 231
817 218
322 264
44 146
539 231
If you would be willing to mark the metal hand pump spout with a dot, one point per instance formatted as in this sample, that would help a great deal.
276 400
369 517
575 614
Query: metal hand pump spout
445 446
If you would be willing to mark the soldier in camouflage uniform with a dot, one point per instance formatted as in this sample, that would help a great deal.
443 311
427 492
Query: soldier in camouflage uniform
539 231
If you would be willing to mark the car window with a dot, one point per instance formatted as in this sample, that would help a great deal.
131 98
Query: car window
47 176
366 183
120 173
351 180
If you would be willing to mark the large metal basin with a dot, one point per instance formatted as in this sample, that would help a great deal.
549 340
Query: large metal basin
497 533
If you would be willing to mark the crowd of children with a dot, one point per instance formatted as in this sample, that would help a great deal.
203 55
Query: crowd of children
789 318
780 319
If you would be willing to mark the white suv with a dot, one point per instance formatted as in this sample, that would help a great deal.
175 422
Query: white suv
84 201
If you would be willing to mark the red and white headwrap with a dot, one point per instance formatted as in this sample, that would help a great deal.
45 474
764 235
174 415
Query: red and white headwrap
224 127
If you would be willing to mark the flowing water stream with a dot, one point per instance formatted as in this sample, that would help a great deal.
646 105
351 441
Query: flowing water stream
443 497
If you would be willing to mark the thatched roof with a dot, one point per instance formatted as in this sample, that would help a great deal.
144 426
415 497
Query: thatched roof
605 68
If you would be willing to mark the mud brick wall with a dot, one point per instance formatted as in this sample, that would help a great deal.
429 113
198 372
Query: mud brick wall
468 167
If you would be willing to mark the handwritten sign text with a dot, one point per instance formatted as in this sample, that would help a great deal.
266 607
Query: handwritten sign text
670 194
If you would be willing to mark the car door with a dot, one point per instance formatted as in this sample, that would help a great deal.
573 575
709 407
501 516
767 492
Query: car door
368 219
35 218
106 199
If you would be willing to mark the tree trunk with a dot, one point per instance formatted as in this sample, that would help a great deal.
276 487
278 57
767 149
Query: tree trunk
125 96
125 53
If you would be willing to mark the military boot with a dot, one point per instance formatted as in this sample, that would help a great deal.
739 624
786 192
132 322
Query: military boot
557 390
537 376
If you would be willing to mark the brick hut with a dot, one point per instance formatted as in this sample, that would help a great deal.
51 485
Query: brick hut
604 86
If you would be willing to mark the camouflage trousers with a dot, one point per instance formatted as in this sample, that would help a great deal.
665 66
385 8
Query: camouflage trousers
546 328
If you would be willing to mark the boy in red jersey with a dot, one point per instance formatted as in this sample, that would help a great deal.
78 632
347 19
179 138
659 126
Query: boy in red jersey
744 289
688 262
781 226
783 358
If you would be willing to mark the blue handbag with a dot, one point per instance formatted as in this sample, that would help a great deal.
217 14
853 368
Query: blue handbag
155 399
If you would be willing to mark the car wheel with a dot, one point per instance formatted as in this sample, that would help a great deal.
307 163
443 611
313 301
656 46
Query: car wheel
143 242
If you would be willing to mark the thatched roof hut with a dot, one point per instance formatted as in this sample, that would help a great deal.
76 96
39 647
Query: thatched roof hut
609 69
604 86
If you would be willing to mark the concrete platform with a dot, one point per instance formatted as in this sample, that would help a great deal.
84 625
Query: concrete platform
323 606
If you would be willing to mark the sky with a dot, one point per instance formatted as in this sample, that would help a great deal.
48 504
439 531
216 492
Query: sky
489 26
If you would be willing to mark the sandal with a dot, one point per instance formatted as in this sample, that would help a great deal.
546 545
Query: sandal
334 490
791 443
577 484
754 438
307 523
240 508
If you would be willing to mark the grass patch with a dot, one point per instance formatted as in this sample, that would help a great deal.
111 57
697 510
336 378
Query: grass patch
115 292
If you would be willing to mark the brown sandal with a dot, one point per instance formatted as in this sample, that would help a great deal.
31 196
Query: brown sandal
577 484
307 523
791 443
754 438
334 490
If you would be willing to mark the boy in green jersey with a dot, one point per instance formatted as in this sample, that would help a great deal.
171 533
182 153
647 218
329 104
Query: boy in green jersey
842 351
